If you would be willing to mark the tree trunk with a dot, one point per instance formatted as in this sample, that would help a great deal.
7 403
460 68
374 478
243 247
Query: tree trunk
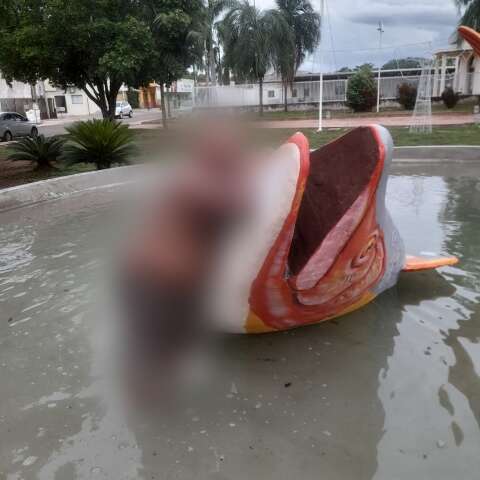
207 66
112 94
101 100
167 98
104 94
164 108
212 67
285 91
260 85
112 107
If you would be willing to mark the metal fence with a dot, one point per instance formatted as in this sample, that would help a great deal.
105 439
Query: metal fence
334 91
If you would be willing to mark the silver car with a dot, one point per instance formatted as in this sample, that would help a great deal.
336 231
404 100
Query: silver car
15 125
123 109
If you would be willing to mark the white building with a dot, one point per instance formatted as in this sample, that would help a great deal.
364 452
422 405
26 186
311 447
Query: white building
467 69
69 102
51 101
18 96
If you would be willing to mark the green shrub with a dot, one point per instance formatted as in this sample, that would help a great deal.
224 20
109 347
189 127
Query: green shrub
362 90
39 150
450 98
102 142
407 95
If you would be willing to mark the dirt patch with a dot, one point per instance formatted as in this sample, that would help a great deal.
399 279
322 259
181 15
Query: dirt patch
17 173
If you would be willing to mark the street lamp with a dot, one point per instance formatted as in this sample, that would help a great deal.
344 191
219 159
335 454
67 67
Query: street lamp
320 106
380 31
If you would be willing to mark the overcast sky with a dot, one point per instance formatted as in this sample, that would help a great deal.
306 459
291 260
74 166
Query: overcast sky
410 26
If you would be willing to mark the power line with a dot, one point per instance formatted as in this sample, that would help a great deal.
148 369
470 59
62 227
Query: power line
387 47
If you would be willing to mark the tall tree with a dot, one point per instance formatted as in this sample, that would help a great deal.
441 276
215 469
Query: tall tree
171 23
248 41
302 38
95 45
205 37
213 9
470 10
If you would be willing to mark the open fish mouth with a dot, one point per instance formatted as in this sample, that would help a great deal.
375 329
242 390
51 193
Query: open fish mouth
323 244
336 250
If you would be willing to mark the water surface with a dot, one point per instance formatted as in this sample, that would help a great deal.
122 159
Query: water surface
389 392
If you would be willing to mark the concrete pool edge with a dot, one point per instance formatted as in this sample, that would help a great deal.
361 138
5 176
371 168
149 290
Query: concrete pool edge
459 153
54 188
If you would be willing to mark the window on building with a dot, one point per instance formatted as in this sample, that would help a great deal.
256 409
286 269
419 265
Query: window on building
294 93
340 89
77 99
306 92
271 94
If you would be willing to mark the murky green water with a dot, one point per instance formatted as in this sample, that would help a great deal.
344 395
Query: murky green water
389 392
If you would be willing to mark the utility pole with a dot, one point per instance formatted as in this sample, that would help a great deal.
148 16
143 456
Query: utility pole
320 106
380 31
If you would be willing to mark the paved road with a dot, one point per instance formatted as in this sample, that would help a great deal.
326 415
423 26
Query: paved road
57 127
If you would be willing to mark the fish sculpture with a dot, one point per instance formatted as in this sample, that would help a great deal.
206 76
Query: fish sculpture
471 36
321 242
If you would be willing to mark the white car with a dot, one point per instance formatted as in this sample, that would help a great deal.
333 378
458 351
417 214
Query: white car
123 109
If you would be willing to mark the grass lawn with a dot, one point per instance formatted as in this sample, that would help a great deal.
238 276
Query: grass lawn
153 143
442 135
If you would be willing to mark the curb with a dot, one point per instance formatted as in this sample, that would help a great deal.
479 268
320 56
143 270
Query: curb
460 153
55 188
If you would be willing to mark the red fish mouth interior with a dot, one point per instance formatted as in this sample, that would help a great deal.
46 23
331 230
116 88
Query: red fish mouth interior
339 172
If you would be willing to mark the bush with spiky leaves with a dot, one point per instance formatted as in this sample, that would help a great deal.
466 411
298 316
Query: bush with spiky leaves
101 142
39 150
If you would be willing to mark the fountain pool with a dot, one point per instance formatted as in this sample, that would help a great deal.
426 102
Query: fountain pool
388 392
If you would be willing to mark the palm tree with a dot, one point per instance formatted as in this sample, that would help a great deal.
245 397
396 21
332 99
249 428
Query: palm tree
248 36
205 37
304 25
470 10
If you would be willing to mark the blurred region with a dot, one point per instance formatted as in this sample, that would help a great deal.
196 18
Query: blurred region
165 267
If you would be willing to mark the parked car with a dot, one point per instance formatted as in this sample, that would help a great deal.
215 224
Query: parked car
123 109
15 125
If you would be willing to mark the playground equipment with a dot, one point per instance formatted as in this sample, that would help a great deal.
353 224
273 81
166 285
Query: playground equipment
322 242
422 115
471 36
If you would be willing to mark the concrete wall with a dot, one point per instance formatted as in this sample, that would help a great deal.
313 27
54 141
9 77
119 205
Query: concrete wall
17 97
85 108
476 77
17 90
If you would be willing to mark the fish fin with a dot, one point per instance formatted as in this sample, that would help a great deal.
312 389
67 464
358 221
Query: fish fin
415 263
